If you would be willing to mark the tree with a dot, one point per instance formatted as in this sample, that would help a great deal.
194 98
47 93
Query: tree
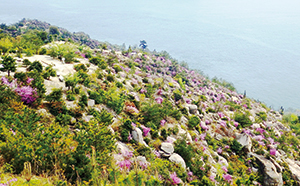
143 44
36 65
55 95
8 64
53 30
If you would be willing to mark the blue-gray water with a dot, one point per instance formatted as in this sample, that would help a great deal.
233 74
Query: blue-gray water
255 44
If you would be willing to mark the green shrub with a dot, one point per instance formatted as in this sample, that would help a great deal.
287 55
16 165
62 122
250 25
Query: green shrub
110 78
185 151
63 119
117 68
193 121
70 97
35 65
243 119
80 67
26 62
55 95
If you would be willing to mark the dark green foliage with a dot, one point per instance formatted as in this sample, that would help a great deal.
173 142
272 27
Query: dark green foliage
261 116
185 151
236 146
117 68
38 83
223 83
42 51
83 101
20 76
115 100
119 84
98 96
26 62
193 121
63 119
163 134
35 65
243 119
233 106
80 67
9 64
55 95
70 97
110 78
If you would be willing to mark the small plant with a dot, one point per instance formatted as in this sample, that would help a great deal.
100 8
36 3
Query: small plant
243 119
193 121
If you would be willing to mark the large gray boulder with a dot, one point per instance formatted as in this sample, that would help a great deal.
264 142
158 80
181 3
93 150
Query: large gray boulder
295 169
244 140
193 109
176 158
167 147
137 135
271 171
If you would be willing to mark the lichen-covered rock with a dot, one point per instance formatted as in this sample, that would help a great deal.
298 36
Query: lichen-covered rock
137 135
91 103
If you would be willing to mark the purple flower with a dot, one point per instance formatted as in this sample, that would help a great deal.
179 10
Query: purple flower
143 91
273 152
260 130
133 124
159 100
202 136
157 154
129 137
224 169
203 126
236 124
221 115
227 147
219 150
29 80
146 130
271 140
261 143
175 179
190 173
162 122
227 177
258 137
223 124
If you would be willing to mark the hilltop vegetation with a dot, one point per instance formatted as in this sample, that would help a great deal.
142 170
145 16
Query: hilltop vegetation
89 114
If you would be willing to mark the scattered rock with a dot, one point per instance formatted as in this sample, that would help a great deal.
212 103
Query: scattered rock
193 109
272 175
244 140
137 135
167 147
91 103
176 158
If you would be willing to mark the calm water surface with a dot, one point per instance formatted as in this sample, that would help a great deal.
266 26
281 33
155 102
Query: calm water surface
254 44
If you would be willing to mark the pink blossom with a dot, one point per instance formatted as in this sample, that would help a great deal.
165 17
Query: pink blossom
143 91
224 169
236 124
202 136
88 156
175 179
190 173
219 150
273 152
204 148
127 154
202 168
227 147
223 124
203 126
258 137
159 100
162 122
212 178
29 80
221 115
260 130
227 177
157 154
245 106
247 131
146 130
188 101
133 124
261 143
271 140
129 137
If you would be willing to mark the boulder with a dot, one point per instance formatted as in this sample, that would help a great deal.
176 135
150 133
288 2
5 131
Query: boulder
272 173
244 140
137 135
193 109
176 158
167 147
91 103
295 169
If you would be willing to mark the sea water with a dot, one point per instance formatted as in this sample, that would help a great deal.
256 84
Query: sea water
253 44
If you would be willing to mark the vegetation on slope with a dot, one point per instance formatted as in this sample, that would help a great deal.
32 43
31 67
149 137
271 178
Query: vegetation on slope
110 121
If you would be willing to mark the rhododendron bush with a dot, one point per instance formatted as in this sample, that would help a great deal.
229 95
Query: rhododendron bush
27 93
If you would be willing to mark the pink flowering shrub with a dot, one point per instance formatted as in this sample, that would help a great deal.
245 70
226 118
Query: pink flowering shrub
174 179
27 93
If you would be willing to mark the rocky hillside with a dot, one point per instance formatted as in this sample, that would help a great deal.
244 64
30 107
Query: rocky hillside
135 118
